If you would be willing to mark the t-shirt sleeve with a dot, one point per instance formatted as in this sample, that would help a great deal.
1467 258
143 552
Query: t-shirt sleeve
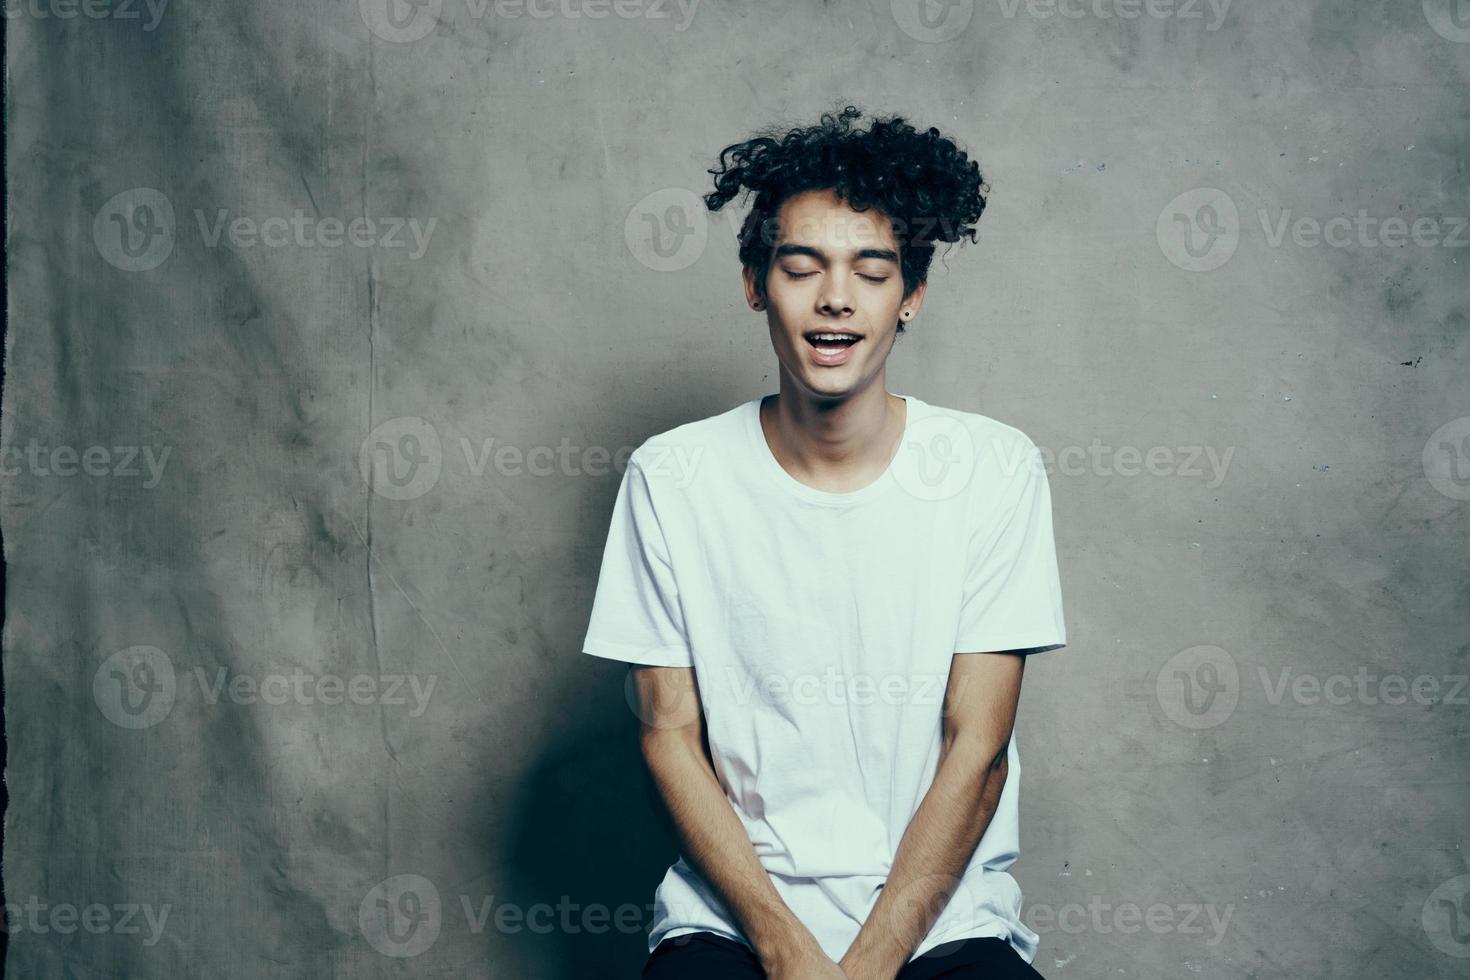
1012 599
636 616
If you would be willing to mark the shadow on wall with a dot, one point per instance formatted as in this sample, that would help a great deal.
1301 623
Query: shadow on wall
588 836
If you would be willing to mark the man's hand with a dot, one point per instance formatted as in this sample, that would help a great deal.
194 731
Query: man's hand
807 963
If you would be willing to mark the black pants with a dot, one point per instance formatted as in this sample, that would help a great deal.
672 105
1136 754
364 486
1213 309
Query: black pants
702 955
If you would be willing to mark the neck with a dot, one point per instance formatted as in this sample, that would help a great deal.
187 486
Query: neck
837 444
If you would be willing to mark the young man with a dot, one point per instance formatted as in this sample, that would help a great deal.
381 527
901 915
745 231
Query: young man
828 595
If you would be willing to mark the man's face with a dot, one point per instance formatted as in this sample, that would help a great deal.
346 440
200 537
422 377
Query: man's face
833 271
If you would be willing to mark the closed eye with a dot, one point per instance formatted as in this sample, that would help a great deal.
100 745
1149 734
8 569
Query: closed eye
803 275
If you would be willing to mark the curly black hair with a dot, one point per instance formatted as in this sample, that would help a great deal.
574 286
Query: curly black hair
922 182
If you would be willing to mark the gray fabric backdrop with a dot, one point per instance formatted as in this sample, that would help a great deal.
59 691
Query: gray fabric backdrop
303 512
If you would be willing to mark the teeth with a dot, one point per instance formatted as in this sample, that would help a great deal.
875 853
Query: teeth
834 336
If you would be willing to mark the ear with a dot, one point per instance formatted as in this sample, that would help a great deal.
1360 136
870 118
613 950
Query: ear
752 295
914 302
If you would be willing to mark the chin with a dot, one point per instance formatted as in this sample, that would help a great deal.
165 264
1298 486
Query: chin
830 385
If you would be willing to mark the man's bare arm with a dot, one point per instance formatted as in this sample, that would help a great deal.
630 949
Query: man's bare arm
712 836
979 713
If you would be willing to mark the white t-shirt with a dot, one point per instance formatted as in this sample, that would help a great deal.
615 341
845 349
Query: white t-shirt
820 627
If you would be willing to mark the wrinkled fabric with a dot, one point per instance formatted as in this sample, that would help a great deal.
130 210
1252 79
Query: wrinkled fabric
213 398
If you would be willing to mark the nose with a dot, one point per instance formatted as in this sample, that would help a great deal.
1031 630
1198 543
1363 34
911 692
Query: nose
834 300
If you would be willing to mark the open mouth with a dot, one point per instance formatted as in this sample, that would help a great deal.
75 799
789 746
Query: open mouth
831 341
831 348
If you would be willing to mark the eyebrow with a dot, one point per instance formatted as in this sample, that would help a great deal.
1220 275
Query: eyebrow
864 253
